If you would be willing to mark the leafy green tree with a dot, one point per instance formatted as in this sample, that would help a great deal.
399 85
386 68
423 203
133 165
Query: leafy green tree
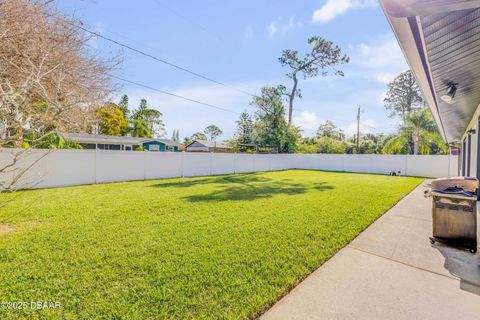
213 132
330 145
152 118
48 141
198 136
112 120
323 59
244 133
308 146
419 136
403 96
123 105
140 128
292 139
328 129
270 125
370 143
187 141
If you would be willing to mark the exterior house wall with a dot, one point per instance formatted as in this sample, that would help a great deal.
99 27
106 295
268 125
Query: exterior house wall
161 146
198 148
473 124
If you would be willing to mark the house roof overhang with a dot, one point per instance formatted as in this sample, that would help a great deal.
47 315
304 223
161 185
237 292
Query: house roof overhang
441 42
105 139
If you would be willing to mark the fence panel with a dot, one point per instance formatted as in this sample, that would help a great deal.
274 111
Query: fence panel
115 166
428 166
385 164
329 162
163 165
197 164
47 169
358 163
244 163
453 172
6 161
223 163
75 167
262 162
281 162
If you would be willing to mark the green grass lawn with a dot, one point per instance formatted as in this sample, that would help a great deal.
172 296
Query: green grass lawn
209 247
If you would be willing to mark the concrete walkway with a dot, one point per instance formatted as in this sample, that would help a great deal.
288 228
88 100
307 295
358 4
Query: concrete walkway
390 271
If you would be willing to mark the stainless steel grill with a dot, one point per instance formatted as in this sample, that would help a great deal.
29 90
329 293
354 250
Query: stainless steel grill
454 212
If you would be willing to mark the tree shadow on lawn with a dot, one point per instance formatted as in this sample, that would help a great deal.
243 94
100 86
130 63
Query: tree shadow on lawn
245 187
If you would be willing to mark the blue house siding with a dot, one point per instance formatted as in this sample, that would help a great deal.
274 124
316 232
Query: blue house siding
161 146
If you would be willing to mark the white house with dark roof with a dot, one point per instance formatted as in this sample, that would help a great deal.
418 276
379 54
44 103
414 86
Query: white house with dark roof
105 142
207 146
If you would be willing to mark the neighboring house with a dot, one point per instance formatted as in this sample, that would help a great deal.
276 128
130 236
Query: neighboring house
207 146
440 40
104 142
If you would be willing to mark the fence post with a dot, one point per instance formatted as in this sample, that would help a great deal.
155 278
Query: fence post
406 165
211 162
144 165
182 163
95 166
234 162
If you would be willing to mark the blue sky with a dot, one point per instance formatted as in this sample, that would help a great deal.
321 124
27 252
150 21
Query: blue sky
238 43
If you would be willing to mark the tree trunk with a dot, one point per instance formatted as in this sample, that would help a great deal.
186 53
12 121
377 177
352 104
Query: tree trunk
416 140
291 97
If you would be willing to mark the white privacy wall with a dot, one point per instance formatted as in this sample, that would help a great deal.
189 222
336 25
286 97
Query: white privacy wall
76 167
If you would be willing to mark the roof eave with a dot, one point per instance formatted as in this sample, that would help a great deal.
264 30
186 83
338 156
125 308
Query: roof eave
410 38
412 8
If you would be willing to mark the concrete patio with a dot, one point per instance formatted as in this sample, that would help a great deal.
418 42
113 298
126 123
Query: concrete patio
390 271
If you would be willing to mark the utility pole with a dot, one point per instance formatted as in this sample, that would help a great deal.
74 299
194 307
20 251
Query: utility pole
358 129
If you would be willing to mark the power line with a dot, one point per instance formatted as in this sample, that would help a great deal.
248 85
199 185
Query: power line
159 59
174 95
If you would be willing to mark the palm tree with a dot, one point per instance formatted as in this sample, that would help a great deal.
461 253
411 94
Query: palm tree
141 128
419 136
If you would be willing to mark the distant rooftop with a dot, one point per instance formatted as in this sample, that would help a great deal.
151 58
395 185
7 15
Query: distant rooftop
105 139
212 144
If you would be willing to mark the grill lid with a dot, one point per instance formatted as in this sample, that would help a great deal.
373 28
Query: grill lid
457 185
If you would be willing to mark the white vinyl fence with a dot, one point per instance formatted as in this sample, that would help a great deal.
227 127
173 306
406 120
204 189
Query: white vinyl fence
44 169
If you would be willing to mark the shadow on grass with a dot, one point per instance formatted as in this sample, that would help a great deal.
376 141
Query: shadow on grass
244 187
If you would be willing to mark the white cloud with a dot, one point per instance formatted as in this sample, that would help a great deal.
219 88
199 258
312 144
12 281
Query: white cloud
333 8
383 58
291 24
385 77
366 126
382 53
281 26
307 120
272 29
